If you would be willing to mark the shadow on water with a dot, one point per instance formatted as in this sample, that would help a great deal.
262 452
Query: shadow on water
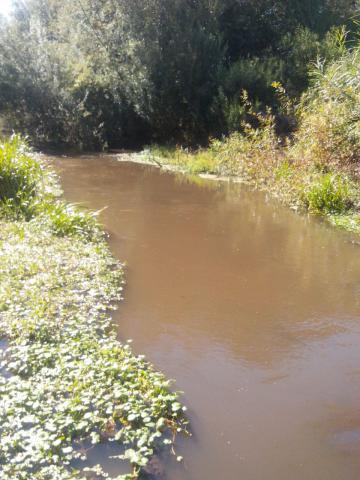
253 309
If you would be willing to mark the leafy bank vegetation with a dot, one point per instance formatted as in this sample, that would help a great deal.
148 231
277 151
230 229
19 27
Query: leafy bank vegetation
66 383
316 169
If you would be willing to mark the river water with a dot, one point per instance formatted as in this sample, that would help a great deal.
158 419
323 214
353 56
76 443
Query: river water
252 308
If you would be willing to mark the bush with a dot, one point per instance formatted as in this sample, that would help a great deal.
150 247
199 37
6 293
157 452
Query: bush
254 75
253 153
27 193
21 178
329 133
68 220
329 194
201 161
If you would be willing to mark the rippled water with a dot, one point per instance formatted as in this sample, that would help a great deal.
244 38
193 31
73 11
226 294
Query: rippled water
253 309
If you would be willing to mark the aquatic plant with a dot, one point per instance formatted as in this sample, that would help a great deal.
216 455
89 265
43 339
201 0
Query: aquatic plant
66 383
328 194
21 178
65 219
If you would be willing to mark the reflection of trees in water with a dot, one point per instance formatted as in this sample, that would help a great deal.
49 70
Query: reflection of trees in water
318 253
287 278
302 275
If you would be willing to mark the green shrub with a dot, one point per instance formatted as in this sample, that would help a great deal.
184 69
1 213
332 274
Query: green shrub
328 194
163 151
27 193
254 75
21 178
66 220
203 162
284 171
253 153
329 132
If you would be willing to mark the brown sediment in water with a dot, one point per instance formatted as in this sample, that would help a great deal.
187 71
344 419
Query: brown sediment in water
254 310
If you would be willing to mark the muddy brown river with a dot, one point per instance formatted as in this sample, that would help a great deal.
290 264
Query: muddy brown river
252 308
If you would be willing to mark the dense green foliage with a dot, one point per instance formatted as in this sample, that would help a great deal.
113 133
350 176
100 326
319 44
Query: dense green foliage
329 130
66 383
92 74
20 178
317 170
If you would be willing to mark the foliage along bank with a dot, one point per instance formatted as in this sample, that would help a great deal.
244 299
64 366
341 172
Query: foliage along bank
317 169
66 383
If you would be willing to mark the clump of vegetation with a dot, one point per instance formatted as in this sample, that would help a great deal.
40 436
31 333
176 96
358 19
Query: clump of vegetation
328 194
203 161
65 219
21 178
66 383
252 154
317 168
329 118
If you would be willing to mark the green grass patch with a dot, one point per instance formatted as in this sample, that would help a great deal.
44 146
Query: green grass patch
197 162
349 222
328 194
21 178
65 219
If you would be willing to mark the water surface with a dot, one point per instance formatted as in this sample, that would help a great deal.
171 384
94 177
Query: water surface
253 309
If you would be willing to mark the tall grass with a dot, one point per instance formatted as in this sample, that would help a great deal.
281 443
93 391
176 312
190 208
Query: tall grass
203 161
65 219
21 178
27 193
329 194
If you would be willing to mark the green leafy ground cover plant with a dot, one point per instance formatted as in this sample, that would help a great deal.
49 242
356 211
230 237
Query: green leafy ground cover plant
66 383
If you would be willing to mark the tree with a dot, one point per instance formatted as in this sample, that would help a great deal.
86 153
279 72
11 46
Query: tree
94 73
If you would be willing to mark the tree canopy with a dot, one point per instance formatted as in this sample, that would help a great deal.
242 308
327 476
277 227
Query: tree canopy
98 73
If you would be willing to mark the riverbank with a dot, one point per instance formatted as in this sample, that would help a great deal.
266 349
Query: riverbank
333 195
67 384
315 168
